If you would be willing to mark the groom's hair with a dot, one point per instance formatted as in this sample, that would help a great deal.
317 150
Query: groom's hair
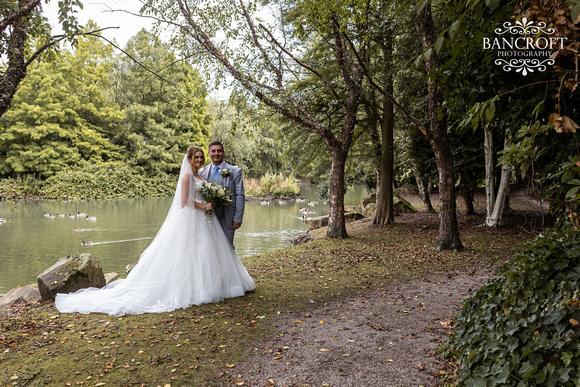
215 142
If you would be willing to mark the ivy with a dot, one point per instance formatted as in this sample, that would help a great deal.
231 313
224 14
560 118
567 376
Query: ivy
521 329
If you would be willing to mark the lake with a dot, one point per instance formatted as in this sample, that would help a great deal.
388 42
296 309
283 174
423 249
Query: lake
30 242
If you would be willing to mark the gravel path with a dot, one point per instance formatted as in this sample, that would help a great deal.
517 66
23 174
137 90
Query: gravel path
382 338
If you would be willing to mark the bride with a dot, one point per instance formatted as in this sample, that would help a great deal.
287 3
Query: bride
189 262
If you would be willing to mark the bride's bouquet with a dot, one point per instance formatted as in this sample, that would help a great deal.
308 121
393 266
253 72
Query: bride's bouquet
216 194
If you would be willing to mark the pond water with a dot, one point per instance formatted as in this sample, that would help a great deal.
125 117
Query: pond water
30 242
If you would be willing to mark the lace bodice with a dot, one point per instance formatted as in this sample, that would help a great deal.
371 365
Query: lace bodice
195 193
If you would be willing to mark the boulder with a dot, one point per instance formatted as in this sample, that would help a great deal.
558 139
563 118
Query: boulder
400 206
369 211
407 189
21 295
352 216
319 221
302 238
110 277
69 274
322 221
352 209
130 266
372 198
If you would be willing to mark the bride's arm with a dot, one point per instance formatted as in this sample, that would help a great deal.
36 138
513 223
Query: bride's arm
185 189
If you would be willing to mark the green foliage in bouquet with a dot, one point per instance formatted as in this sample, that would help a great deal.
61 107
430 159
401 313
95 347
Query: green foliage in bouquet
521 329
216 194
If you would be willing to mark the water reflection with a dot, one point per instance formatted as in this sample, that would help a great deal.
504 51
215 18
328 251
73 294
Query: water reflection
31 242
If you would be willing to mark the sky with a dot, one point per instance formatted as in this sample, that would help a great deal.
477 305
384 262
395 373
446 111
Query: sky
106 13
109 13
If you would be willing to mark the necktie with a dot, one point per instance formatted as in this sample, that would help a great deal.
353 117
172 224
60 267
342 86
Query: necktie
216 170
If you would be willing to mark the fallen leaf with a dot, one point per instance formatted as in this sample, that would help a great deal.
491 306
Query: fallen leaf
230 365
573 322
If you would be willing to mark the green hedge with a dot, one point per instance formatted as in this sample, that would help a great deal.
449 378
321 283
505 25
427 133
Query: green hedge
521 329
108 180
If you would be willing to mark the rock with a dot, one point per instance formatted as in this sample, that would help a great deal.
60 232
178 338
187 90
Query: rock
110 277
369 211
401 206
322 221
319 221
407 189
69 274
21 295
352 209
130 266
302 238
372 198
352 216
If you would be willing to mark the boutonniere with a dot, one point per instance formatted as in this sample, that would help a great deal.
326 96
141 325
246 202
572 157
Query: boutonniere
225 172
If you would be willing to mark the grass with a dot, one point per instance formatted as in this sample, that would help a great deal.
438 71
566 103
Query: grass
200 346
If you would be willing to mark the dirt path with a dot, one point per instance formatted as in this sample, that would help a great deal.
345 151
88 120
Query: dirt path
383 338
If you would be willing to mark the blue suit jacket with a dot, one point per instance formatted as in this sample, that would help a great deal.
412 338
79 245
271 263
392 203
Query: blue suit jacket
235 184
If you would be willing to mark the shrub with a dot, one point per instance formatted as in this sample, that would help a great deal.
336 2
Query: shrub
107 180
272 185
21 187
521 329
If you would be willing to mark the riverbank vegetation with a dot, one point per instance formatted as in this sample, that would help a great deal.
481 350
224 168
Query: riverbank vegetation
272 186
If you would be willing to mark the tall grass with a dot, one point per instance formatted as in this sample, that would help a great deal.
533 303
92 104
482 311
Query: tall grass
272 185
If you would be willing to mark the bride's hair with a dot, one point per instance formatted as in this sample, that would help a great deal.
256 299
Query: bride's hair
191 151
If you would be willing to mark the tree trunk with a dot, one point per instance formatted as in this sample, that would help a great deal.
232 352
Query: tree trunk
494 220
468 200
336 221
16 70
424 190
489 173
437 135
384 213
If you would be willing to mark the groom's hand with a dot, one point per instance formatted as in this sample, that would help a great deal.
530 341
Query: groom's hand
236 225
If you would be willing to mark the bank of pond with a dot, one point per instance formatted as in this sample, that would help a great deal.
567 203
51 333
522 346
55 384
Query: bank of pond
116 231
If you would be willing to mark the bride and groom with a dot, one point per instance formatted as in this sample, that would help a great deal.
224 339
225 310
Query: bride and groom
191 260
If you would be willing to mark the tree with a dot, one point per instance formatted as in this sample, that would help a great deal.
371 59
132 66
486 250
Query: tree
437 135
62 115
24 37
165 111
274 66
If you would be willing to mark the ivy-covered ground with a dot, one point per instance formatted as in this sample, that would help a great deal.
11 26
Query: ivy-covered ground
242 341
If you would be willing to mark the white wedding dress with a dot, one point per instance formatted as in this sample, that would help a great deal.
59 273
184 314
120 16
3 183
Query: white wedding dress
189 262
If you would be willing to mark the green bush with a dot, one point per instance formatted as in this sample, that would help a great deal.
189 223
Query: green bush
107 180
21 187
521 329
272 185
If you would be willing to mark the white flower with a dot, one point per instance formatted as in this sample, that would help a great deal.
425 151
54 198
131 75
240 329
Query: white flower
220 192
225 172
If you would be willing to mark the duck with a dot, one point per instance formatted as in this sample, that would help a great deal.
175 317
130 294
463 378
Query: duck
3 220
91 218
81 213
60 215
71 216
86 243
312 204
304 210
46 215
265 202
282 201
301 199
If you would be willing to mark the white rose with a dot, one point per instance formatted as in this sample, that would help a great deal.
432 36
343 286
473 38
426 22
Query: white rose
220 192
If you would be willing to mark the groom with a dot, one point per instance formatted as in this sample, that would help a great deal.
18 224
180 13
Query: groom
229 176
